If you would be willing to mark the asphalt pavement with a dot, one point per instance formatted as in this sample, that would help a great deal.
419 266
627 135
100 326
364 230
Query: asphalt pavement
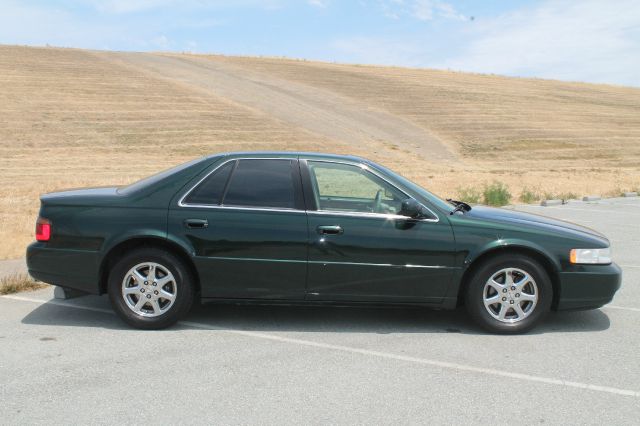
74 361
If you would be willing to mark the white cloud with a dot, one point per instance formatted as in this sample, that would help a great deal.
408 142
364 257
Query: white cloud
318 3
161 41
446 10
591 40
129 6
45 25
134 6
379 51
422 10
39 25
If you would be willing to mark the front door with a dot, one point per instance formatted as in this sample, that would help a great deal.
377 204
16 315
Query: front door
247 226
361 249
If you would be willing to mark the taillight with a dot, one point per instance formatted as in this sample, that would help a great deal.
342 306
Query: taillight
43 229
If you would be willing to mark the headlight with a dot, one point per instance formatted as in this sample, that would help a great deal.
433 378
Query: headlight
600 256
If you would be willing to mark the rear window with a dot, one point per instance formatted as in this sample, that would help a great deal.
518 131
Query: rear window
211 189
262 183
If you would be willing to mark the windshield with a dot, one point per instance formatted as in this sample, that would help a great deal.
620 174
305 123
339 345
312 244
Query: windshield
440 203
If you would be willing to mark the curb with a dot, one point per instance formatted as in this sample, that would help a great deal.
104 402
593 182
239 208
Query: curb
591 198
586 198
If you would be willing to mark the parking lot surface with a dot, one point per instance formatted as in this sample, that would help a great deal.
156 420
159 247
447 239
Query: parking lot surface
74 361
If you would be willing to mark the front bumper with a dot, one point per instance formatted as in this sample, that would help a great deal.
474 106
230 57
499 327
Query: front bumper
588 286
76 269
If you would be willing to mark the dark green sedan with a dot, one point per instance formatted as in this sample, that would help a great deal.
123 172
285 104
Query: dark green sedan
311 228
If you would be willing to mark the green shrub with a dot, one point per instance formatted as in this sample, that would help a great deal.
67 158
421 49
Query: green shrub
496 194
527 196
469 195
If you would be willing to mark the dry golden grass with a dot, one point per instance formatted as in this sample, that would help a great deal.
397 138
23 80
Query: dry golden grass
549 136
19 282
71 118
482 115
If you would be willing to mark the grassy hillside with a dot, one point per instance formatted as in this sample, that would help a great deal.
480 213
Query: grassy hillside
482 114
71 118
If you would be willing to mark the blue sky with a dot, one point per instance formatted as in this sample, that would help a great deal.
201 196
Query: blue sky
588 40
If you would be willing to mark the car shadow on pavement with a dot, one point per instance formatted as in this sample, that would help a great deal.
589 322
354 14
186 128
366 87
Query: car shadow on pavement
54 314
381 320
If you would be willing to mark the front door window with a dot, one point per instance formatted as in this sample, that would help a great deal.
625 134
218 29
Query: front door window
347 188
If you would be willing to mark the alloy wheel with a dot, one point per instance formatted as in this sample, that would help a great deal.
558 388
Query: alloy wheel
149 289
510 295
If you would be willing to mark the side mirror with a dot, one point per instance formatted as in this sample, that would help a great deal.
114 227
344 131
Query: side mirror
413 209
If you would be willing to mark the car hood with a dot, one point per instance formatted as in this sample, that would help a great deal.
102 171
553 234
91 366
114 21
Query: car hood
528 219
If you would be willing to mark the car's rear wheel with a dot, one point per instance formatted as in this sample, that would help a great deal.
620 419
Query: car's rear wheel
150 288
509 294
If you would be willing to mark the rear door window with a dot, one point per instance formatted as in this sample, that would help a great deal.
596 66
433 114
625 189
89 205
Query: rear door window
262 183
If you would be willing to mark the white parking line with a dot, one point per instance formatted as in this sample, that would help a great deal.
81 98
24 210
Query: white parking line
57 303
378 354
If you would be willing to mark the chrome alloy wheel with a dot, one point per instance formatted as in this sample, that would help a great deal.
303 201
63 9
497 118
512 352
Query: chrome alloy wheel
510 295
149 289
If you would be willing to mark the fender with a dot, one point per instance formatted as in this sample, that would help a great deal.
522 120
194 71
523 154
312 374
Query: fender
493 246
132 234
183 243
506 244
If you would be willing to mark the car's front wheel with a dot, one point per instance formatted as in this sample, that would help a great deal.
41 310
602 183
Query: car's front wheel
509 294
150 288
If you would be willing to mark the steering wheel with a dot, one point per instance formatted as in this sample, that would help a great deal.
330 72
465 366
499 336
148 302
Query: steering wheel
377 202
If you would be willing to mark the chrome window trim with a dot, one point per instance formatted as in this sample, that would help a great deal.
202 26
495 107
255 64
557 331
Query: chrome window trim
181 202
386 216
265 209
361 214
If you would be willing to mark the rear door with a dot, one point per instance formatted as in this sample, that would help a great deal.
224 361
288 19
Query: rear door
248 228
361 249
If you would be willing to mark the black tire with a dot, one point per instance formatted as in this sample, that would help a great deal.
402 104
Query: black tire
474 298
184 290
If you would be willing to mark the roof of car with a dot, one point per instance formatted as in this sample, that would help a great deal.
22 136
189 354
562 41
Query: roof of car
289 154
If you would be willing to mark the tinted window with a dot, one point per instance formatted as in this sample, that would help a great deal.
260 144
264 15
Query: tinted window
261 183
343 187
211 189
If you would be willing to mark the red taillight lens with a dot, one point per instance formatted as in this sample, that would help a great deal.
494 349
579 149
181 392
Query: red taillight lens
43 229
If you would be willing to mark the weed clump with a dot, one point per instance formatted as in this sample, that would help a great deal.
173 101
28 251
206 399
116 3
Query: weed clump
496 194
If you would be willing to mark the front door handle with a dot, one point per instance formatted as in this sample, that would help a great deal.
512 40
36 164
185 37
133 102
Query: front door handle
196 223
330 230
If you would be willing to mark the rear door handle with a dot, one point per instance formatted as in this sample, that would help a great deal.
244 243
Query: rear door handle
196 223
330 229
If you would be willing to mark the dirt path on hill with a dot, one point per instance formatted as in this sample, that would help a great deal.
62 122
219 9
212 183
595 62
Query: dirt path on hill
316 110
